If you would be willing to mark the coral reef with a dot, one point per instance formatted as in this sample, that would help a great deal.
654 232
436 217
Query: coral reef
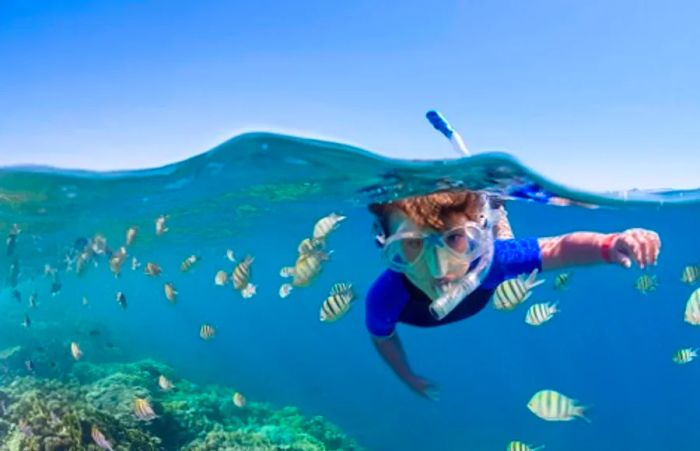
49 414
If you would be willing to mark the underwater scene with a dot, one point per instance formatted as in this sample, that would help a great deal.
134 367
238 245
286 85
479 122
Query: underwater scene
218 303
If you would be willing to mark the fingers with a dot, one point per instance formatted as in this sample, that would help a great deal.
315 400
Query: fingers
643 246
432 392
625 250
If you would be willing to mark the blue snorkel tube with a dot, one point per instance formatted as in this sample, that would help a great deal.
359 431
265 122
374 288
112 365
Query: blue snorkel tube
452 296
440 123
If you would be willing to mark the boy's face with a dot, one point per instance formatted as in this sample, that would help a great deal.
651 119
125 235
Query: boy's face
436 265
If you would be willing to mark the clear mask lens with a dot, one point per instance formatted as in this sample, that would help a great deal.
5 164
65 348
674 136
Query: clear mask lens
404 249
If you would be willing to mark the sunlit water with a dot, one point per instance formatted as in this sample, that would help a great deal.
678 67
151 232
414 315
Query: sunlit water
260 194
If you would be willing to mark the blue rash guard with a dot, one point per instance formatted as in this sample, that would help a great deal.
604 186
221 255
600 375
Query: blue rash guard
394 299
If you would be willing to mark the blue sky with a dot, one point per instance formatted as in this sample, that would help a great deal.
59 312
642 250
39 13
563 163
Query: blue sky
595 94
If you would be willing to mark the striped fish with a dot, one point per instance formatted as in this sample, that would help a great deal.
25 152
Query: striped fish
143 410
152 269
692 308
646 284
306 268
551 405
206 332
309 245
188 263
691 274
326 225
540 313
99 438
337 303
562 280
520 446
513 292
242 273
685 355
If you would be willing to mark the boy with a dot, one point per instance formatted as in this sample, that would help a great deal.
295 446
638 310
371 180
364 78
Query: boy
445 264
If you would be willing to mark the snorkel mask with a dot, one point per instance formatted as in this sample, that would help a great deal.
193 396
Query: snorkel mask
469 246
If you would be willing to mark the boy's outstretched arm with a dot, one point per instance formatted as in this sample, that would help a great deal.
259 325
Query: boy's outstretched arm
391 350
587 248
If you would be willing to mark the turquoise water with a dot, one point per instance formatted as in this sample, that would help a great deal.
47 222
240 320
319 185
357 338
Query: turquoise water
260 194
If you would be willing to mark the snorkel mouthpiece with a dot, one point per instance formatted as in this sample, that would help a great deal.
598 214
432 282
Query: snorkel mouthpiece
453 295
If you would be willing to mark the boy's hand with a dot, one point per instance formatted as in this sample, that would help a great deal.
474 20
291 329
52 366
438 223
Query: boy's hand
639 245
424 388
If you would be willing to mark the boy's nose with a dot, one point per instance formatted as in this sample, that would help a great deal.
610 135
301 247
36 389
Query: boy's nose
438 261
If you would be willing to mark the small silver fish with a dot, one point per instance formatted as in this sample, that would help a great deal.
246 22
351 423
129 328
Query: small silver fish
161 227
100 440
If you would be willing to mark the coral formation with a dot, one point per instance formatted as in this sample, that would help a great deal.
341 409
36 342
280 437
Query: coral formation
49 414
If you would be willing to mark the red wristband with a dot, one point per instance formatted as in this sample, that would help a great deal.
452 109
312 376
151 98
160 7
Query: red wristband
606 246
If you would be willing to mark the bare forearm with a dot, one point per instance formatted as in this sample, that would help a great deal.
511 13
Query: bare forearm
572 249
391 350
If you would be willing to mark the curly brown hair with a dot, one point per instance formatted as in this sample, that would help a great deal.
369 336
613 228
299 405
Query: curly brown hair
432 210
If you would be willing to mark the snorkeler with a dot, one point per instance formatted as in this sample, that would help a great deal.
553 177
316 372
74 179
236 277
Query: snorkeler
445 261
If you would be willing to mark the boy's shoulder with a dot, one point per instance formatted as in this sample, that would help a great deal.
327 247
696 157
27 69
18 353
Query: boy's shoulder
388 282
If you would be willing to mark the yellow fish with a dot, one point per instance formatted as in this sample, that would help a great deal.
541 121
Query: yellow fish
691 274
337 303
239 400
99 438
170 292
562 280
551 405
520 446
75 351
513 292
206 332
305 270
188 263
143 410
692 308
540 313
326 225
685 355
646 284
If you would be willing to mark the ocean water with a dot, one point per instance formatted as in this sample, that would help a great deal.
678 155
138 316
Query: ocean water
610 347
